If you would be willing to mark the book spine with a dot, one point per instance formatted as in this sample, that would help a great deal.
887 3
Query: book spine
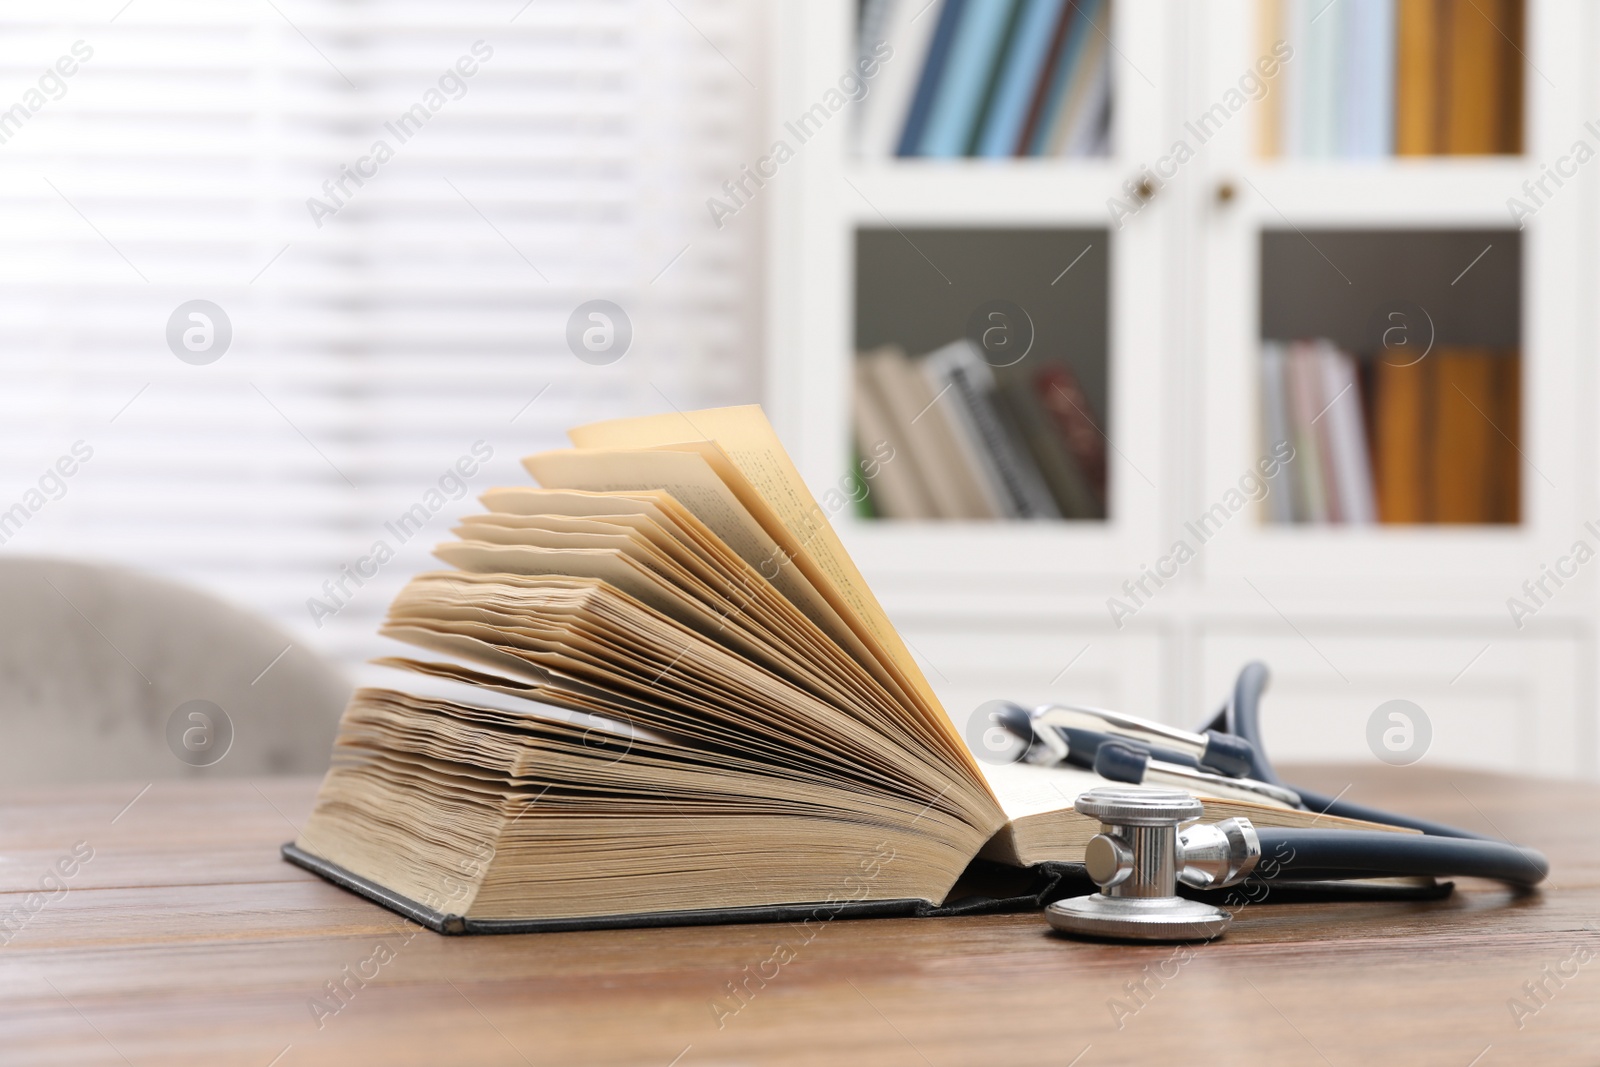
1281 492
1039 103
1322 73
1354 84
1329 398
1070 105
967 71
1017 473
1054 91
1443 30
1507 476
1303 393
1473 91
1091 108
1462 451
1080 118
1326 393
1365 503
862 503
1000 57
1020 71
1073 494
932 71
898 486
876 16
953 484
1347 438
908 32
1292 81
1381 26
1062 396
1400 433
1416 61
1269 14
963 435
1513 25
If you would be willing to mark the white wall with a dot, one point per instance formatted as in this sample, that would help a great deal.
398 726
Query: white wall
370 352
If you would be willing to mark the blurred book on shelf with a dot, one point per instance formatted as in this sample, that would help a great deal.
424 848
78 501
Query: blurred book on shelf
973 442
986 78
1426 441
1378 78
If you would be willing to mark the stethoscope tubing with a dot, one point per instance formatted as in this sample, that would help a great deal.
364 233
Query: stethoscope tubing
1439 850
1301 853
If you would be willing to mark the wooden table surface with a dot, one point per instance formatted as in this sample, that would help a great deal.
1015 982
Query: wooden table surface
184 939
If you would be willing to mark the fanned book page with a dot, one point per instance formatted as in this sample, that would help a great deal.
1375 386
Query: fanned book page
656 689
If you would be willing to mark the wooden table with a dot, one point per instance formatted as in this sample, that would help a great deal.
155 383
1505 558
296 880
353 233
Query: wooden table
185 939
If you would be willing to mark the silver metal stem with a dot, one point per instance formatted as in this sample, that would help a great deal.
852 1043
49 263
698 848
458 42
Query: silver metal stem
1140 856
1155 861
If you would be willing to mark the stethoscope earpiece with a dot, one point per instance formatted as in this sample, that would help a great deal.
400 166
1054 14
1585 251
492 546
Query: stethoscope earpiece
1011 717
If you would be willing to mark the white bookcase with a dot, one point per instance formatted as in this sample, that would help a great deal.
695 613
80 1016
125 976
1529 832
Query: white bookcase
1347 618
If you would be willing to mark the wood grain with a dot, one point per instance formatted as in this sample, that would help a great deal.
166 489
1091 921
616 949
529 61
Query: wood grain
185 940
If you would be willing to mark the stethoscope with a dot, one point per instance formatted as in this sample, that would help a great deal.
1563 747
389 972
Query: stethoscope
1150 841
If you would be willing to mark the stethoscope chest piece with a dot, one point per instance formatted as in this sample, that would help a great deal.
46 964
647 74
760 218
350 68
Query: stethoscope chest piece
1144 849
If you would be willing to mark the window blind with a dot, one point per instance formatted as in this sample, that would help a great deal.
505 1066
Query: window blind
396 207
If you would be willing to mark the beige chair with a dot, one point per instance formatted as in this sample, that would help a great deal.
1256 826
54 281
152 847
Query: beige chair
107 674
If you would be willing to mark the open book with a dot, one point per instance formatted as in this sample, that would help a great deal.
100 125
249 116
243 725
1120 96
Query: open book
657 690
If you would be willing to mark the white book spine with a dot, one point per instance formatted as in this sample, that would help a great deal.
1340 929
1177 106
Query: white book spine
1011 470
1292 79
964 432
899 491
1347 435
907 30
1322 76
1087 127
1304 390
1281 488
953 486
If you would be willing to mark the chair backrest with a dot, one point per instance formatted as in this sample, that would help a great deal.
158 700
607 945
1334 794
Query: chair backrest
107 674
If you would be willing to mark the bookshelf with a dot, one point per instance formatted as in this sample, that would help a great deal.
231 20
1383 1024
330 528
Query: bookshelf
1348 617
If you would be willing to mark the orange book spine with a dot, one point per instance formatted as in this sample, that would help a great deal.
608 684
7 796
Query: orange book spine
1513 75
1269 28
1399 430
1507 484
1474 123
1416 78
1465 434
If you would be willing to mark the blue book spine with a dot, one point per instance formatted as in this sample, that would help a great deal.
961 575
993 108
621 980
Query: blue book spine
1082 15
932 69
1382 21
973 53
1022 68
1322 85
1353 87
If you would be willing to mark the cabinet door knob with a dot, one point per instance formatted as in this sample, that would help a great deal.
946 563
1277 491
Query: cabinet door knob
1226 191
